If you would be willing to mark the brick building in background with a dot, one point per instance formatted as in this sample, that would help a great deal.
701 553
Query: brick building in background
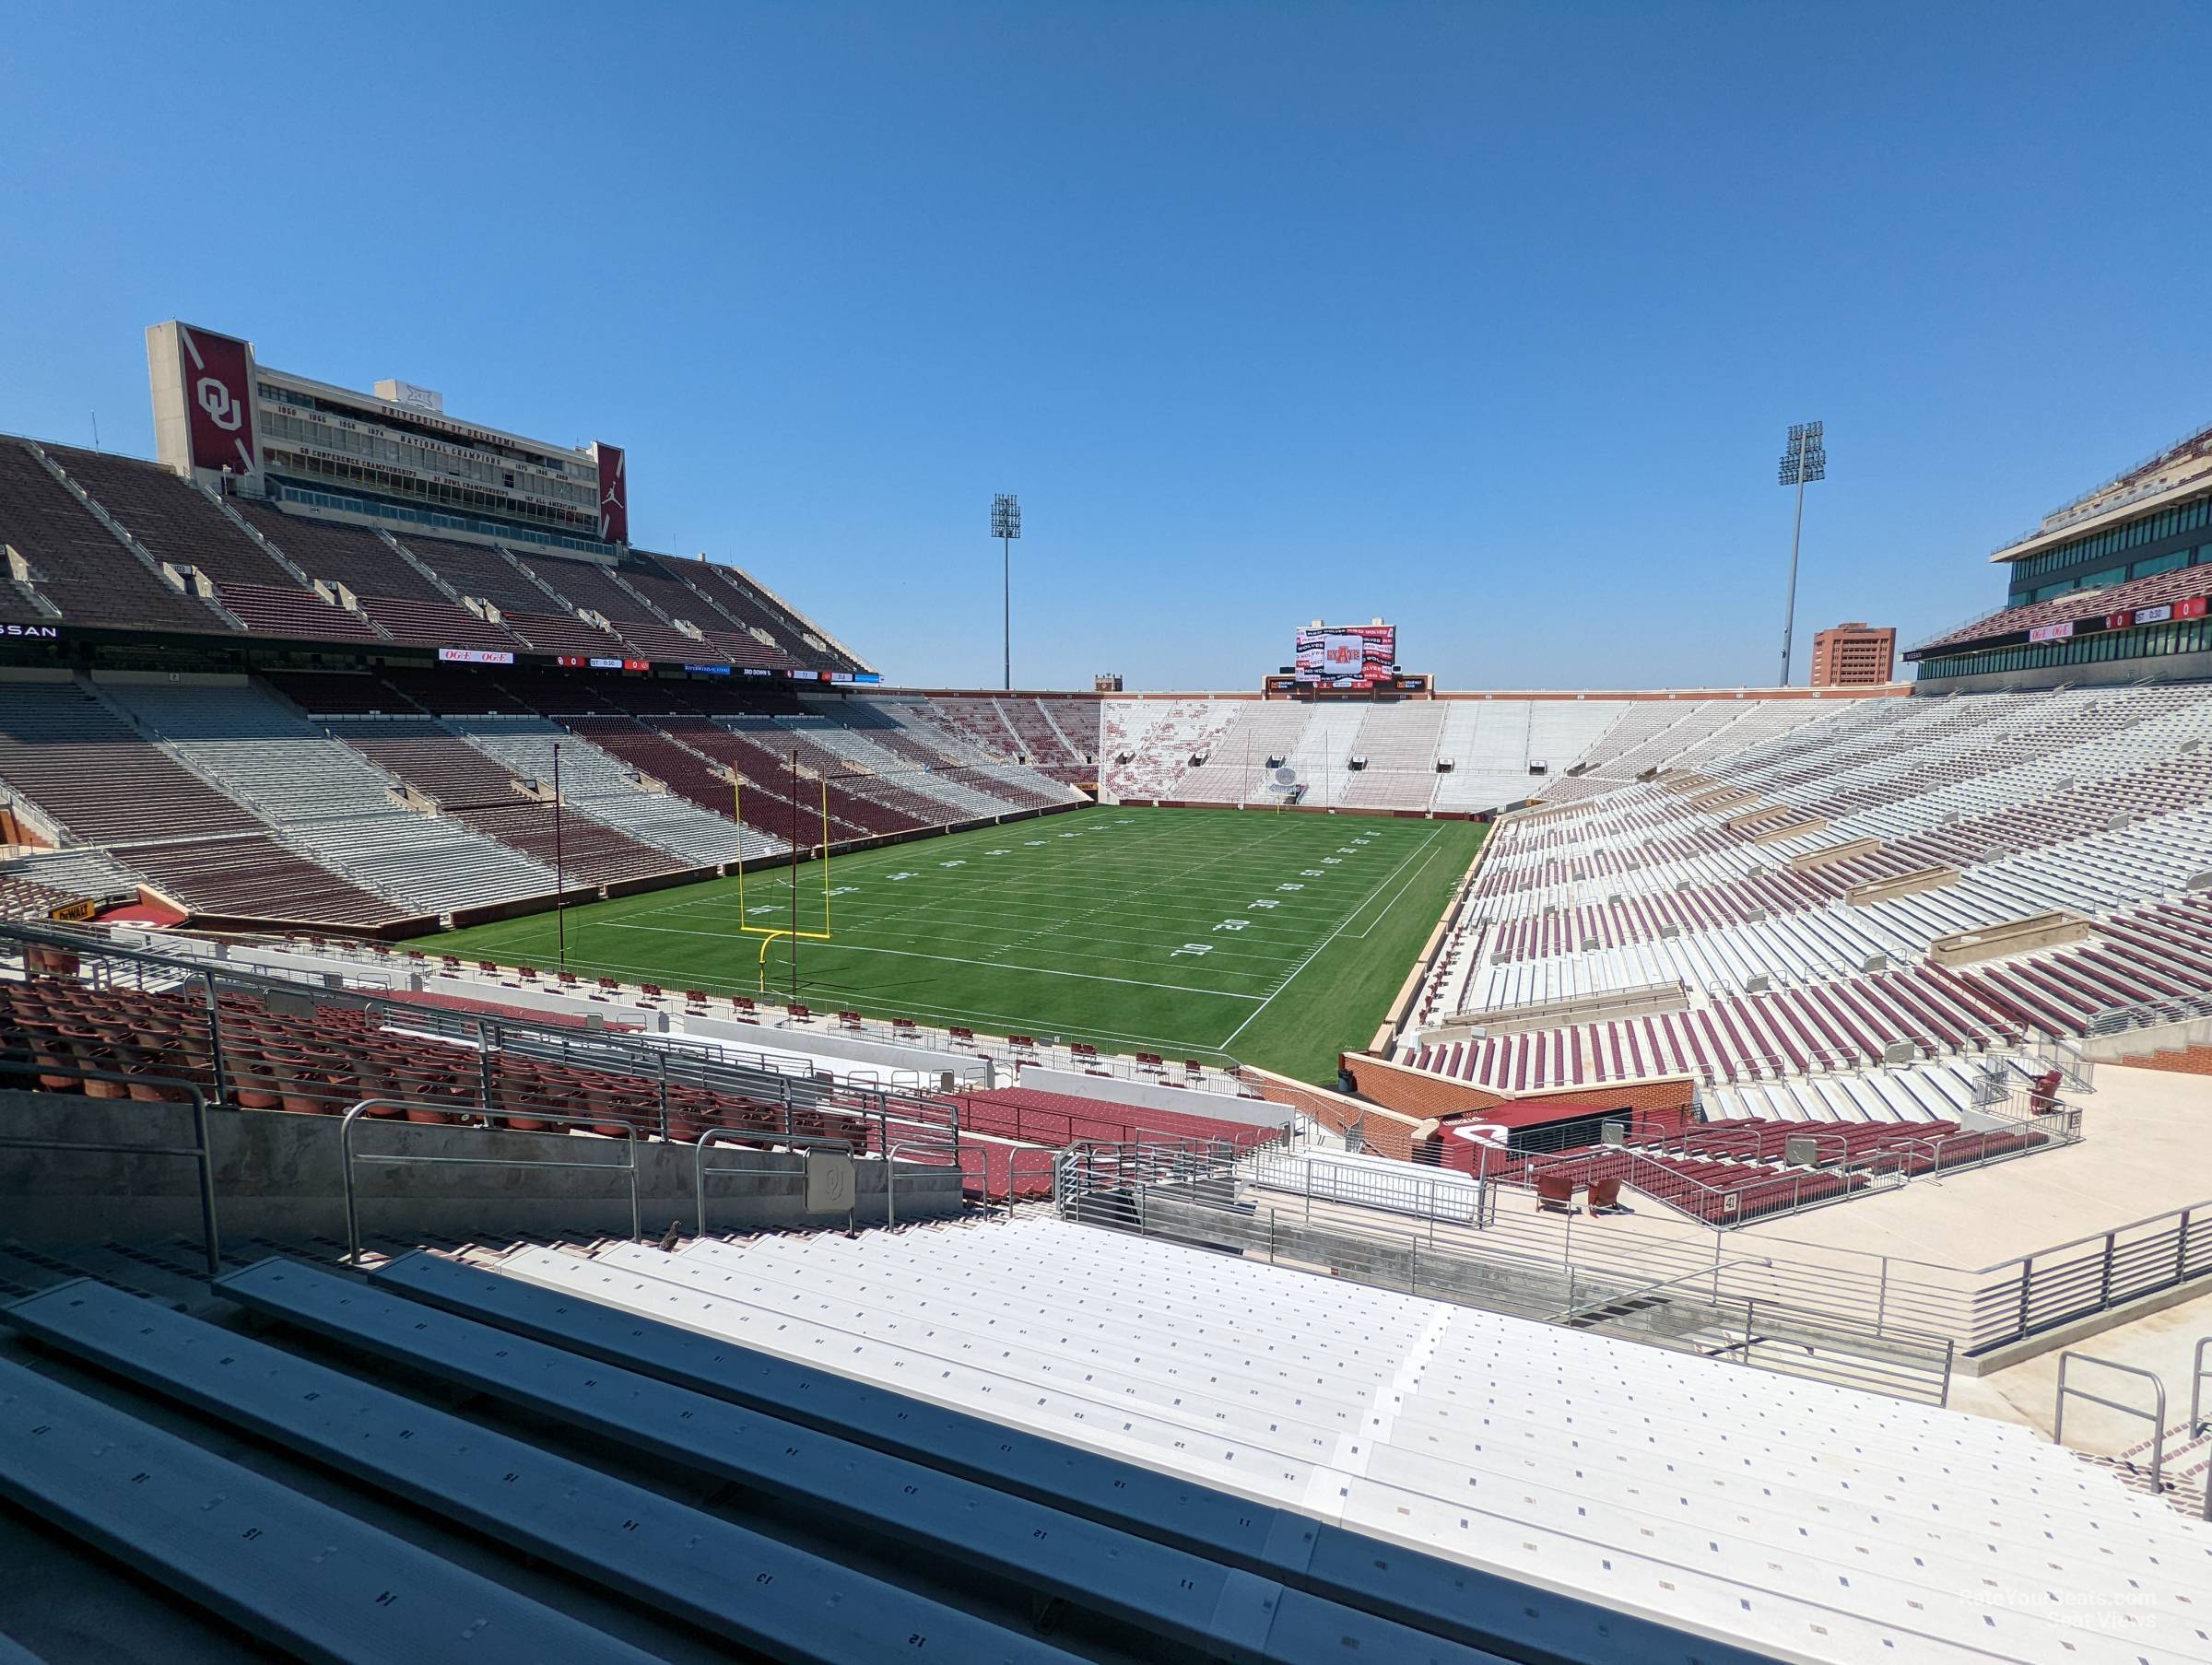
1853 655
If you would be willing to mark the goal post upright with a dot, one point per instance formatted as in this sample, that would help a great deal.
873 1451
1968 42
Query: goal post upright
769 935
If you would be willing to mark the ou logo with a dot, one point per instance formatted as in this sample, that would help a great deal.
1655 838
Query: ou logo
1481 1132
222 410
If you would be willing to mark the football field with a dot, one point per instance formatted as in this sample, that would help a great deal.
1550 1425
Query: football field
1270 939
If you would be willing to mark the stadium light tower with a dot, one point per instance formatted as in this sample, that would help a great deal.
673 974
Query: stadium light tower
1805 461
1005 526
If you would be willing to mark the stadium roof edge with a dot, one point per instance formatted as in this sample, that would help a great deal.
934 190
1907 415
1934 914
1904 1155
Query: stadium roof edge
2199 482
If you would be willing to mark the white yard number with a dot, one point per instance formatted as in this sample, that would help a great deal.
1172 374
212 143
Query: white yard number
1194 948
1311 873
952 864
1347 849
769 908
1032 843
1071 835
1289 886
1262 902
844 890
897 876
1233 924
1335 862
999 853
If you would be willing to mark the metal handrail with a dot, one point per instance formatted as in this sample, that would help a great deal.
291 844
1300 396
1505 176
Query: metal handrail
891 1173
1577 1309
2156 1415
1428 1187
2197 1425
1051 1159
347 1158
729 1135
2095 1237
201 1150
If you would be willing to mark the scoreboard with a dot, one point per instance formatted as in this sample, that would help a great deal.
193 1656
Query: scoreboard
1345 656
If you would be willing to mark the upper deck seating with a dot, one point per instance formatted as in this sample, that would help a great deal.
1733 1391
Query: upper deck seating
175 523
586 585
527 611
79 564
2148 592
480 570
339 554
408 606
755 607
171 518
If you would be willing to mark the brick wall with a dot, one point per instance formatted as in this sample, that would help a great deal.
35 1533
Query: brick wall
2185 1060
1386 1132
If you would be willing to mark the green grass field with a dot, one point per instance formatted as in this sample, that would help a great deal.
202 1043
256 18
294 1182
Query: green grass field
1273 939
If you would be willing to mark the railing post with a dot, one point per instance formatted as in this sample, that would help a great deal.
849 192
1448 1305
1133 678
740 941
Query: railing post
2180 1263
207 1225
353 1215
214 1033
2026 1283
483 1067
2105 1285
662 1088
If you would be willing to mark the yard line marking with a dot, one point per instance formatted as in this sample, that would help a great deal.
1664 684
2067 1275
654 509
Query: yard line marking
1425 846
954 959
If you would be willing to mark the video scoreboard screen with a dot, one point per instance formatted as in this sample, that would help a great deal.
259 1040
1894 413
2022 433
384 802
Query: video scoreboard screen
1347 656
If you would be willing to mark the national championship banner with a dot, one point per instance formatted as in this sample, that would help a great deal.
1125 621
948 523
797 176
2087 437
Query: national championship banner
1347 656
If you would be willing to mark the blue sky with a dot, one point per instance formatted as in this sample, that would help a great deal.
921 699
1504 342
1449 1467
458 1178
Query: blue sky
1486 319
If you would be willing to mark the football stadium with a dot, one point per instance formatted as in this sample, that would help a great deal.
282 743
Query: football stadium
560 1101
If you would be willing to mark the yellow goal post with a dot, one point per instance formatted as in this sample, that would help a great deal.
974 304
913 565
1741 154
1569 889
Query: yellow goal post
769 935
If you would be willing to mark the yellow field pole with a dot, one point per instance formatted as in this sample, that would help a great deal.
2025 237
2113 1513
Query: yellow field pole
770 933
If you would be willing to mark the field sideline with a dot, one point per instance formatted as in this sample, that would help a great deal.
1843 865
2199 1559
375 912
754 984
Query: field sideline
1272 939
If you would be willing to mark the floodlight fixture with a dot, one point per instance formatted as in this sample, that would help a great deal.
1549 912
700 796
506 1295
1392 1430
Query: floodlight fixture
1005 526
1804 461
